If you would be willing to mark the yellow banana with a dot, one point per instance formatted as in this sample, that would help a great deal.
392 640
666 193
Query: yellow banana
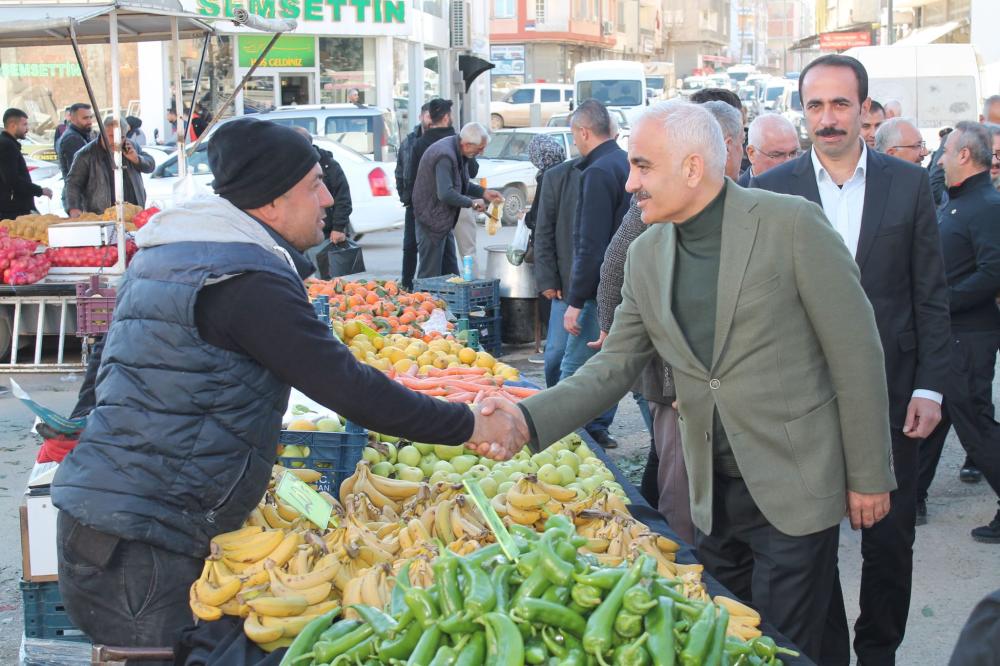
253 579
290 626
741 630
278 606
520 496
352 595
286 549
228 538
442 522
396 489
520 516
596 545
216 596
275 645
256 519
321 608
739 610
287 512
499 502
202 610
273 518
667 545
347 487
307 475
255 548
558 493
313 595
308 579
256 631
234 607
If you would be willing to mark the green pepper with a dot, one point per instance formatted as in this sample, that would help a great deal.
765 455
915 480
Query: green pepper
603 579
597 637
632 654
628 625
325 651
524 532
500 579
504 643
557 594
717 646
534 651
566 550
660 627
573 657
426 648
419 601
307 637
534 586
699 638
474 652
459 623
559 522
339 629
383 625
555 641
402 645
582 610
445 656
557 570
480 597
526 565
638 600
478 558
765 646
396 603
539 611
587 596
737 647
362 650
445 570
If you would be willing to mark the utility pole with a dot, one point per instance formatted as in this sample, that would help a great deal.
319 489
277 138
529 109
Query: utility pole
890 36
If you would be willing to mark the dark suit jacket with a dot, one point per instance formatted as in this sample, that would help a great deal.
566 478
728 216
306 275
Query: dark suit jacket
556 204
902 270
745 178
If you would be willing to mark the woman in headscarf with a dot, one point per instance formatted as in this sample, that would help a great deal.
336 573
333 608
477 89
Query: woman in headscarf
135 133
544 152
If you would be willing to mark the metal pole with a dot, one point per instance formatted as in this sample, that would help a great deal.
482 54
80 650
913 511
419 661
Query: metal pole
179 100
890 37
197 80
119 174
87 84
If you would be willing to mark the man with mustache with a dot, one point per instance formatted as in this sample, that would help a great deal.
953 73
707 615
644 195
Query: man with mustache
882 209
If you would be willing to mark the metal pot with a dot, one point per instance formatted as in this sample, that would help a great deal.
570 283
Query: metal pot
515 281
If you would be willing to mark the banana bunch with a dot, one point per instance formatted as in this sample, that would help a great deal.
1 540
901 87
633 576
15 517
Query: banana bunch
372 588
530 501
381 491
743 620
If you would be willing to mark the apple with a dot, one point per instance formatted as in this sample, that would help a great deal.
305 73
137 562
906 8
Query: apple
479 471
543 458
568 458
329 425
489 486
504 487
427 464
586 470
589 483
443 465
499 475
388 439
548 473
567 474
410 473
383 468
424 448
371 455
448 452
409 455
454 477
293 451
584 451
515 477
464 462
489 462
438 477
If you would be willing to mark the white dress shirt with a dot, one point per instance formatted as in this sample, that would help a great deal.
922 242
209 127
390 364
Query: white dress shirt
844 206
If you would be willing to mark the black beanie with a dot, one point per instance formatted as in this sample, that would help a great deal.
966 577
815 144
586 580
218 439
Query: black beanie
256 161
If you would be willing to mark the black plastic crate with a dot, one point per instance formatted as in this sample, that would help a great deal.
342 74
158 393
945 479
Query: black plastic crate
45 615
334 454
489 331
462 297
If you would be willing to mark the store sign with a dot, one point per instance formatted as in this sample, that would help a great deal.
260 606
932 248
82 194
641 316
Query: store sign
288 51
342 17
48 70
841 41
509 60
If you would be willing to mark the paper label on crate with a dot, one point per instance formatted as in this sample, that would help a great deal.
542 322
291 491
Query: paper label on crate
297 494
496 525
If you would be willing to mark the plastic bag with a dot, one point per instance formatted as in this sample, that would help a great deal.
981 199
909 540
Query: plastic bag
493 218
338 259
519 245
436 323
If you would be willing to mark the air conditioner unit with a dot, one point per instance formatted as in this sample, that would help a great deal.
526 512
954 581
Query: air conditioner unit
459 22
607 28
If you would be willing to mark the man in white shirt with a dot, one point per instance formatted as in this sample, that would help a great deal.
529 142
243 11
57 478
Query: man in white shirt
882 208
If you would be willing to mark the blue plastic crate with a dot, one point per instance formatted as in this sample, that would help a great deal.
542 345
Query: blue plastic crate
462 297
45 615
489 331
333 454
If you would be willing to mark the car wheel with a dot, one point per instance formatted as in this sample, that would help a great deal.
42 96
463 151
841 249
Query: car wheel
496 121
515 201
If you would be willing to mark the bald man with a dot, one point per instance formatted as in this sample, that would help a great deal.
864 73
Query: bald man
771 140
900 138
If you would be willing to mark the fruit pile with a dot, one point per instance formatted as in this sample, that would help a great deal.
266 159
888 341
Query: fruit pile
550 605
101 255
399 354
18 261
379 304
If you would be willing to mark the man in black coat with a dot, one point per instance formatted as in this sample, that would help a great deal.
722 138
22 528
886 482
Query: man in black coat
404 188
17 192
970 239
76 136
883 209
338 216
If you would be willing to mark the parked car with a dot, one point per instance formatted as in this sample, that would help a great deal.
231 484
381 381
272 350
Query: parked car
514 110
368 130
692 84
624 129
506 167
790 106
373 195
40 170
775 88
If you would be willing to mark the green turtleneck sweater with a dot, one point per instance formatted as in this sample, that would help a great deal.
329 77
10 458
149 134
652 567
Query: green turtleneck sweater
695 292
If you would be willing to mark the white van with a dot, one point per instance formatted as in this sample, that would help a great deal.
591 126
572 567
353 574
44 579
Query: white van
619 84
936 84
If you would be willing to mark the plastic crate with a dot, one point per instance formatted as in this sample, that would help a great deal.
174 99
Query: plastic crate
462 297
45 615
334 454
489 331
95 306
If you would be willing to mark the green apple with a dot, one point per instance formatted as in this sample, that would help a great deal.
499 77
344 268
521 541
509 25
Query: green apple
443 465
586 470
330 425
581 492
410 474
454 477
479 471
438 477
383 468
504 487
489 462
561 445
515 476
371 455
388 439
427 464
293 451
391 452
568 458
522 455
409 455
464 462
567 474
589 483
489 486
499 475
548 473
448 452
543 458
424 448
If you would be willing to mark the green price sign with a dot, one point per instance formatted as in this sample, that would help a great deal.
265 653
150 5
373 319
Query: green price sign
297 494
288 51
492 519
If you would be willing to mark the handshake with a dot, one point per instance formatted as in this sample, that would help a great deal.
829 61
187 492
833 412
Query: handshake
501 430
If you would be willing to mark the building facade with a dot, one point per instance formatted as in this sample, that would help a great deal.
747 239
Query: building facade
697 34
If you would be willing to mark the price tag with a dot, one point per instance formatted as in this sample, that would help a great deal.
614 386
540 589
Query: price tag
482 503
367 330
297 494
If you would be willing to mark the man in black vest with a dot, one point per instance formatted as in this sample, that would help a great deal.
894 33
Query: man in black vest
212 326
17 192
882 208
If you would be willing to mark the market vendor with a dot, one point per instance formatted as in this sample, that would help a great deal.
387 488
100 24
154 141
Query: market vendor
212 327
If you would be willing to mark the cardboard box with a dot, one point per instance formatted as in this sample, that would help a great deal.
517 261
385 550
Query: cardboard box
39 553
82 234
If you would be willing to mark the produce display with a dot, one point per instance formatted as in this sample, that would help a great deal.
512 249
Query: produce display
550 605
18 261
102 255
36 226
380 304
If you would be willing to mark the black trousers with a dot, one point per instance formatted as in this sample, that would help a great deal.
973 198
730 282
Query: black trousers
409 250
123 593
968 405
787 578
648 487
886 574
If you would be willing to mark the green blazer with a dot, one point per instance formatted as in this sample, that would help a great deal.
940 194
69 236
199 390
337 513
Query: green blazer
797 375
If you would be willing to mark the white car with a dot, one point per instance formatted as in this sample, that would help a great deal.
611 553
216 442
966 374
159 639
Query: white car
624 131
376 206
506 166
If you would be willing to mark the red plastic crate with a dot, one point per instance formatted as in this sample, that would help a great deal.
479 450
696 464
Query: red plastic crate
95 306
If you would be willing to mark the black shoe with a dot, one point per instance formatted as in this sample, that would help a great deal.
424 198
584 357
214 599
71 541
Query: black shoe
921 512
970 474
988 533
604 439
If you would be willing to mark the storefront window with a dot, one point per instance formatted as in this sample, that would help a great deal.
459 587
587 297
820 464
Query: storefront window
346 63
217 78
432 74
401 84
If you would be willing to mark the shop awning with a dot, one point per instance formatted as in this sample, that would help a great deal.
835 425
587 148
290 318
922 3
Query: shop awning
43 24
929 35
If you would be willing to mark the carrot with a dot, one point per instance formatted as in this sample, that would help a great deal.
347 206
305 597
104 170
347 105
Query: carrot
462 397
520 391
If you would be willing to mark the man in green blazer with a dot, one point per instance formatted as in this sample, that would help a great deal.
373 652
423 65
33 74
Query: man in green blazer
752 300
